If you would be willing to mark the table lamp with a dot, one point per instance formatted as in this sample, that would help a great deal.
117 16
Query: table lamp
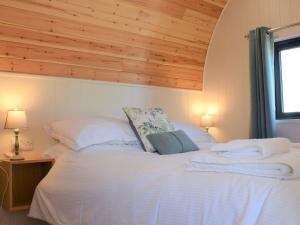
16 119
207 121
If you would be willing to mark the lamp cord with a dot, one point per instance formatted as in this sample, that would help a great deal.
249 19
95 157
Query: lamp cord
6 186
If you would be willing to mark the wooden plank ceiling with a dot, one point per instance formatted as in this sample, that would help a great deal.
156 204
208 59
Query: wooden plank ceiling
151 42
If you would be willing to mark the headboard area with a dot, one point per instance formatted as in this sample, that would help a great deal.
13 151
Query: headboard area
47 99
157 42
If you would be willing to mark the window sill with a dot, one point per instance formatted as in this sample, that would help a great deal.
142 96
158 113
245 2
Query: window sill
288 121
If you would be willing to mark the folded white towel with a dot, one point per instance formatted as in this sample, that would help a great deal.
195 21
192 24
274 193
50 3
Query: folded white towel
283 166
253 148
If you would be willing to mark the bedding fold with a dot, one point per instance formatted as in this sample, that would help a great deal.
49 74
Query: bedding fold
253 148
284 166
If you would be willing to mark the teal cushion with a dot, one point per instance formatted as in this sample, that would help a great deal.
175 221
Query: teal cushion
171 142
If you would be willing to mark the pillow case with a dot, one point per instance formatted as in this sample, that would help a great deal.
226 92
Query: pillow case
172 142
60 150
194 132
78 133
147 121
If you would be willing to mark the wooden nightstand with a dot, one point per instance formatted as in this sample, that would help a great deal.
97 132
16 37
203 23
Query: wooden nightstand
24 176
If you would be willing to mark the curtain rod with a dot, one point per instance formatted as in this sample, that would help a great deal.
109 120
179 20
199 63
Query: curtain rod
272 30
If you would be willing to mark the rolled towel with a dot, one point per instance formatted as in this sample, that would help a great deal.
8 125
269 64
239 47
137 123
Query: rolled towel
284 166
253 148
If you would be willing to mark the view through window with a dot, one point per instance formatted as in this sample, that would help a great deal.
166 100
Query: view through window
287 72
290 76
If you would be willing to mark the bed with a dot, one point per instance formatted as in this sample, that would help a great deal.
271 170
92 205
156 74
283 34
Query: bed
123 185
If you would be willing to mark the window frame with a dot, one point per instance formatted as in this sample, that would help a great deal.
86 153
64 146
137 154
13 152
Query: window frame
278 47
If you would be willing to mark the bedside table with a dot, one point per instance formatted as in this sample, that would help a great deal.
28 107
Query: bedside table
24 176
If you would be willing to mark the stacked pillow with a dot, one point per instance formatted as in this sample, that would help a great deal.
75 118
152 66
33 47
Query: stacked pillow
157 134
194 132
79 133
151 127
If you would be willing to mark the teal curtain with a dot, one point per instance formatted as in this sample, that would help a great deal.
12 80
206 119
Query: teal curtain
262 83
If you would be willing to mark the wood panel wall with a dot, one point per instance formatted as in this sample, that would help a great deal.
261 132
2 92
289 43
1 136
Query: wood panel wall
152 42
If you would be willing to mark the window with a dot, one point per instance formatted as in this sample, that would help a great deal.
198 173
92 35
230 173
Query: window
287 79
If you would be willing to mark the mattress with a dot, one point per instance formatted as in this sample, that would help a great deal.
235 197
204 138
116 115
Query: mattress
115 185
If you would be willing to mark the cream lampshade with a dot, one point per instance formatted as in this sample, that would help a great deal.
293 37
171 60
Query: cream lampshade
16 119
207 121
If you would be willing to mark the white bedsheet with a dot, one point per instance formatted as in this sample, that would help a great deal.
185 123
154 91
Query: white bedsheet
126 187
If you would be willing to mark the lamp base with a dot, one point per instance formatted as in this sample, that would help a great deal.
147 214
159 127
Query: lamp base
16 158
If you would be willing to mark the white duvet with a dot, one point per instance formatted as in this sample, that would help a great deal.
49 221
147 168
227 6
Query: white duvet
128 187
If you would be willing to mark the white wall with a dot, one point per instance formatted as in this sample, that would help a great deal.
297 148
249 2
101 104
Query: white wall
226 76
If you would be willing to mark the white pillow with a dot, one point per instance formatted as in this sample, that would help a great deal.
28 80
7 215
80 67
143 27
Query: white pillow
60 150
78 133
194 132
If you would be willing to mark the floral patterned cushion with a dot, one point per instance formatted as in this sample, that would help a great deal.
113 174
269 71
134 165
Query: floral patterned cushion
148 121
